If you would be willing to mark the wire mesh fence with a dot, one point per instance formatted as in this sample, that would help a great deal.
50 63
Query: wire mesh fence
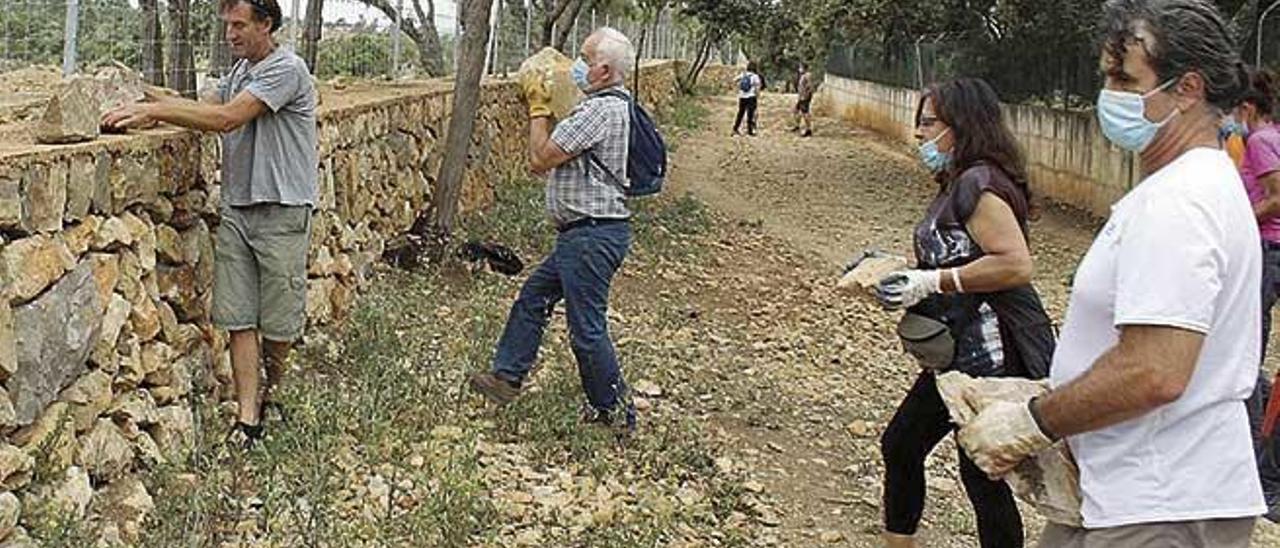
179 43
1057 74
1055 69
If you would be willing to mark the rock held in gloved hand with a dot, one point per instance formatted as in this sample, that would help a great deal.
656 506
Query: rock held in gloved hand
554 67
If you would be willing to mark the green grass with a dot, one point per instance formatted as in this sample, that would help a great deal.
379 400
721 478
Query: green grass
367 404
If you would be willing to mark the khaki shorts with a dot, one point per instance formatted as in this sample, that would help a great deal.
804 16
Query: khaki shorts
260 270
1212 533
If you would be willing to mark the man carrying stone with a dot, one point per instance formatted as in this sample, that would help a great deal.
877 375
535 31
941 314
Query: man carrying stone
586 155
265 110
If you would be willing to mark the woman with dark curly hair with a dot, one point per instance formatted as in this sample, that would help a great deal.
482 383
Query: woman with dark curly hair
970 293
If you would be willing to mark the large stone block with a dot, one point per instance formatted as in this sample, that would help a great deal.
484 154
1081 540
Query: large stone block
52 435
54 336
115 318
105 453
8 343
169 246
72 114
112 234
79 237
44 197
174 431
80 187
10 201
16 466
106 274
32 264
125 504
10 510
178 287
89 397
134 180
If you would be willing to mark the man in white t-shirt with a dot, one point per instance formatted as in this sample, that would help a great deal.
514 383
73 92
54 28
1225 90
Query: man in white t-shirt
748 85
1160 345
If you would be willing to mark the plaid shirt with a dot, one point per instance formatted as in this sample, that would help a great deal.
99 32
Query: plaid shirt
579 189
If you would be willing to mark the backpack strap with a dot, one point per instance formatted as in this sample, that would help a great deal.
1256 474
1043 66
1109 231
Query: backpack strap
590 154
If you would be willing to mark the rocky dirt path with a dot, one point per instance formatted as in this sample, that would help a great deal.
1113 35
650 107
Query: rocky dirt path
797 380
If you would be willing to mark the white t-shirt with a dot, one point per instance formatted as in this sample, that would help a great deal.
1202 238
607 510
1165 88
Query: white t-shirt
756 83
1181 250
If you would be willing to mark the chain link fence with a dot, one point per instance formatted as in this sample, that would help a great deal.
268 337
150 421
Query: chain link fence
179 43
1054 70
1063 75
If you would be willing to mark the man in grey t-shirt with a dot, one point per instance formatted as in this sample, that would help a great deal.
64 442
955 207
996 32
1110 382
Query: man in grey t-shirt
265 110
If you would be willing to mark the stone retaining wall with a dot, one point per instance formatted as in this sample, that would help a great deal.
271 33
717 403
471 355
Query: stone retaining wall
1068 159
106 259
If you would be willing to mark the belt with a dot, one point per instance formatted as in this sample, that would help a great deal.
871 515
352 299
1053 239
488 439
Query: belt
589 221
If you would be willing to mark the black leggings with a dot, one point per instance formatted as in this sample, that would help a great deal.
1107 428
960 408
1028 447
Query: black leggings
920 423
747 107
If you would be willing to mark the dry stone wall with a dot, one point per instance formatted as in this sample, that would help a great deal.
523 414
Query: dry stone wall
106 265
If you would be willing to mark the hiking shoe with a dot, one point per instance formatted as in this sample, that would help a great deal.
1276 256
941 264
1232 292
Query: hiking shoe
245 436
807 133
498 390
622 424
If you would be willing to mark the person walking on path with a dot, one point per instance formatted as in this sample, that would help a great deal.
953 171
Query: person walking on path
585 153
748 85
973 278
1260 170
1160 344
265 109
804 93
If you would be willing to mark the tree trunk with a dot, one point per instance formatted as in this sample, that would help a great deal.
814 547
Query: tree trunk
430 55
312 28
466 98
423 33
555 9
152 43
689 83
635 79
182 76
566 24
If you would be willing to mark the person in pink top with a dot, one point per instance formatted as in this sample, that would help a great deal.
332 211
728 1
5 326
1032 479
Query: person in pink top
1260 171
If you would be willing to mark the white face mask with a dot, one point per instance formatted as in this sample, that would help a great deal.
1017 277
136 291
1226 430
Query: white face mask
1123 117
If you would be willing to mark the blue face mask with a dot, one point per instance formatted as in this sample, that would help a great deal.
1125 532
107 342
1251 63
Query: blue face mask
579 72
934 159
1123 118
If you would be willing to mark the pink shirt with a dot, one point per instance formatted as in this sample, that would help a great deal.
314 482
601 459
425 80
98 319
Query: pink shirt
1262 156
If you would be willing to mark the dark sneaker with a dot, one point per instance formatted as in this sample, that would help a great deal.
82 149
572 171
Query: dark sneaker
621 424
807 133
1273 507
498 390
245 435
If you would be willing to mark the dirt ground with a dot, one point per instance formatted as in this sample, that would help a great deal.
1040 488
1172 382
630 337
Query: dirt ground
805 379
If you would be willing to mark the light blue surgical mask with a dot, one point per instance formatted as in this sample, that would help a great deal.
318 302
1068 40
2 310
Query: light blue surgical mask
934 159
1123 117
579 72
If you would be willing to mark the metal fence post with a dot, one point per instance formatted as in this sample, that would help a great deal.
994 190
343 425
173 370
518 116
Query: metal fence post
297 28
70 30
395 40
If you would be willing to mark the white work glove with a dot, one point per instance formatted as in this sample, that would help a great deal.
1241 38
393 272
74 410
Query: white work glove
1001 436
905 288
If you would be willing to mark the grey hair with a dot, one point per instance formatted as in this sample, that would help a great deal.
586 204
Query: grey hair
615 48
1188 36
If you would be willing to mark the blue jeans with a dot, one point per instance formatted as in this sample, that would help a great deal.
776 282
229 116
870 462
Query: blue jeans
579 270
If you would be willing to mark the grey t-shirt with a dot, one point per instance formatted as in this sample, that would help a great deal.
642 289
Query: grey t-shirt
272 158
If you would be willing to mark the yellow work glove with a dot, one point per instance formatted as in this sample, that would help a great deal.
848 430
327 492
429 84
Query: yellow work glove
535 89
1001 436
